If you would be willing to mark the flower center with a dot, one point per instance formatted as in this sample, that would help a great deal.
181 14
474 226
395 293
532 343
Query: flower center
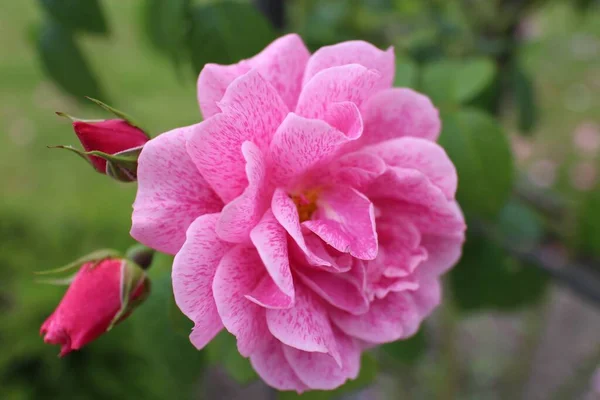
306 203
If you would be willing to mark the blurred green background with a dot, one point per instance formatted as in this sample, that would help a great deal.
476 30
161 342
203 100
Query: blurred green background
526 74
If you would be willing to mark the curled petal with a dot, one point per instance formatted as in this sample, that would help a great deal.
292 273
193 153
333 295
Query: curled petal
243 213
393 317
268 295
353 83
443 252
272 366
425 156
281 64
320 371
395 113
286 213
353 52
346 222
194 269
305 326
336 289
171 193
238 274
270 239
357 170
252 111
302 144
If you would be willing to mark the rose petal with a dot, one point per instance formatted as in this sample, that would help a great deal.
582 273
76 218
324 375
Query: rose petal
272 366
267 294
353 83
281 64
252 110
243 213
353 52
320 371
171 193
336 289
305 326
422 155
194 269
346 222
238 273
302 144
395 113
286 213
394 317
270 239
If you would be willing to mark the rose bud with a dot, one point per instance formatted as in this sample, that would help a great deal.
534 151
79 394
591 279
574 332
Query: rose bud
111 136
111 146
102 293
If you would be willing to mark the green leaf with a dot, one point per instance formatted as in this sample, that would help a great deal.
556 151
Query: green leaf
171 355
525 102
368 373
406 73
64 62
166 23
409 350
227 32
437 81
472 77
588 229
223 350
77 15
480 151
452 82
487 277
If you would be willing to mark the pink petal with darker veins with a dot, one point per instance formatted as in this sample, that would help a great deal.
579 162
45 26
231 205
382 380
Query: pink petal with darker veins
346 222
270 240
320 371
252 111
281 64
353 52
274 369
305 326
194 269
171 193
238 273
349 83
243 213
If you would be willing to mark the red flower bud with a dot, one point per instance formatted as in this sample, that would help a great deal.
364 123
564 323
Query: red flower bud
101 294
110 136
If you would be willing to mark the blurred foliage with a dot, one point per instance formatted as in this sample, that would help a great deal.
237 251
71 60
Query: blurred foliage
465 54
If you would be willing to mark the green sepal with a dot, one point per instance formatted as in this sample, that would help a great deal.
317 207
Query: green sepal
57 281
132 276
118 114
96 256
142 255
75 119
121 166
75 150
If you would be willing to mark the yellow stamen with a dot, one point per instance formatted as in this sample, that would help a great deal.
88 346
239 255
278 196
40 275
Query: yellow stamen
306 203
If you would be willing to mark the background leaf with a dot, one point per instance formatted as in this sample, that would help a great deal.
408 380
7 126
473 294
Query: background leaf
77 15
406 72
524 98
408 350
65 63
227 32
472 77
166 23
487 277
480 151
588 231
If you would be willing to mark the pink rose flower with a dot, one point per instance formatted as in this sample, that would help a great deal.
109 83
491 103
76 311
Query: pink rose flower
91 303
311 212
